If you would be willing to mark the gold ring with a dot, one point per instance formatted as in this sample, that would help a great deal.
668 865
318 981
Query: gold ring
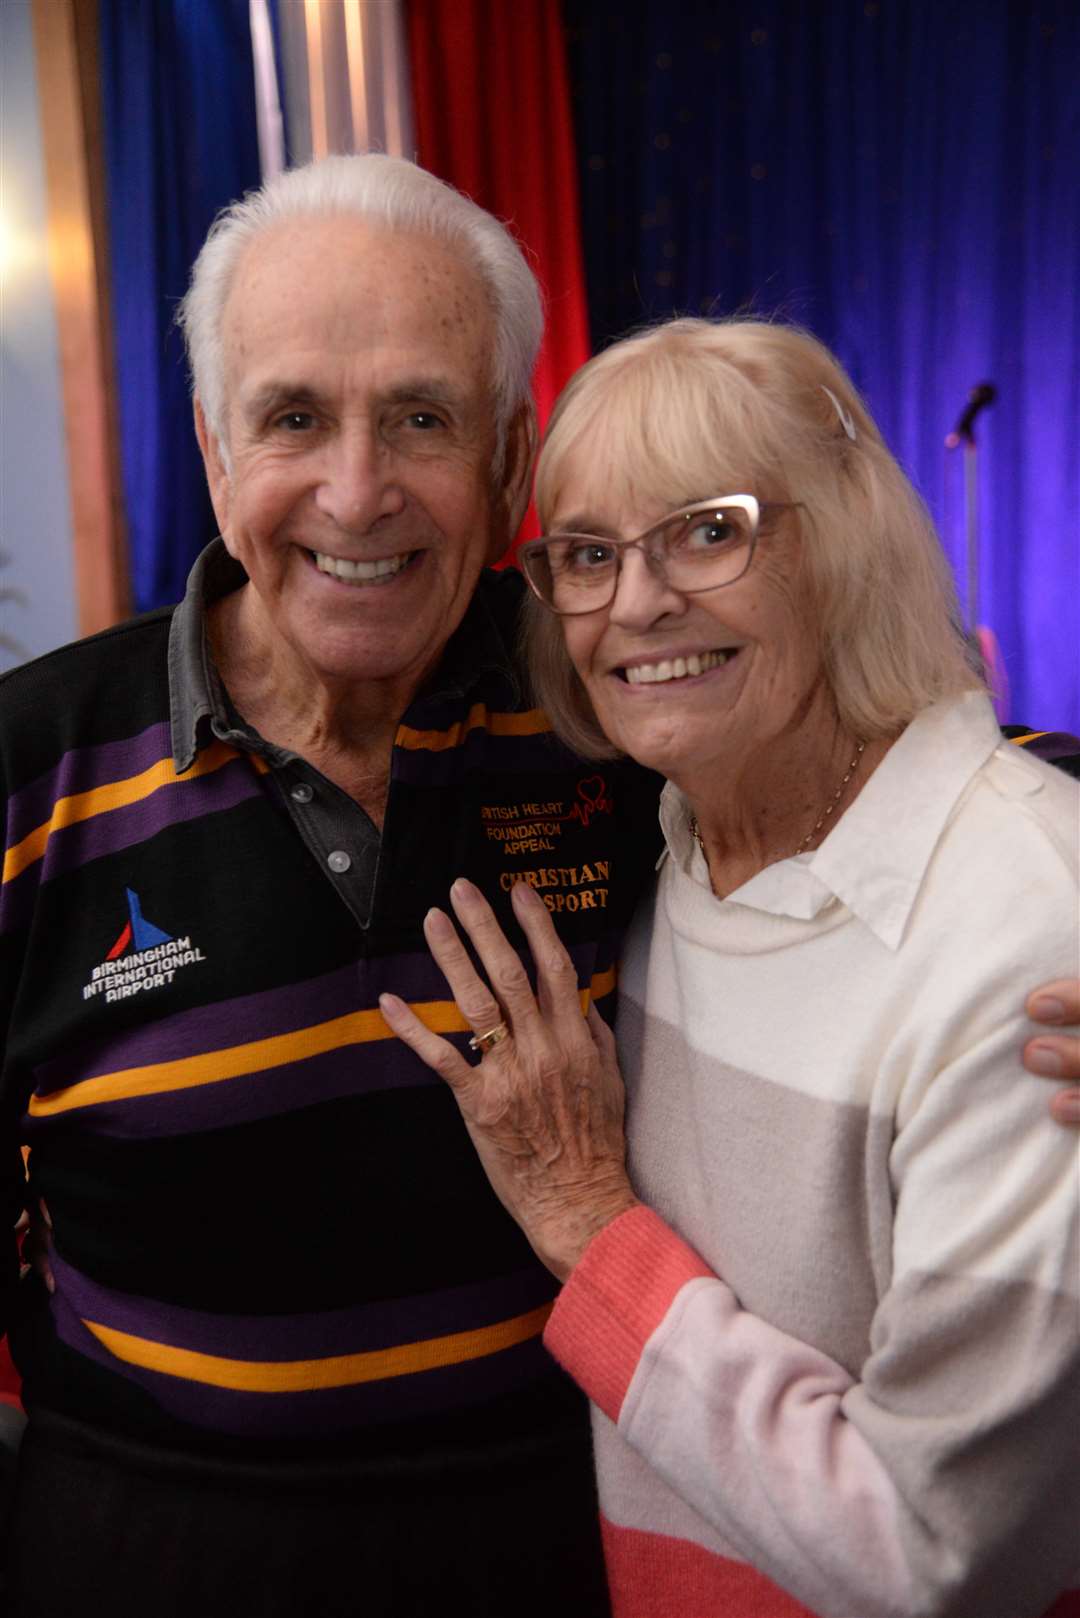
487 1041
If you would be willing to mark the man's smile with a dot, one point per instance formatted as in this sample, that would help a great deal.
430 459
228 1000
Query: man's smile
379 572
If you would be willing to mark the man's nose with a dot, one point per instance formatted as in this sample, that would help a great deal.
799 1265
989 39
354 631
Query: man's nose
642 594
357 483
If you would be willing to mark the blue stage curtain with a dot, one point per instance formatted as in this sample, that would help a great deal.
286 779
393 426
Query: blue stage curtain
181 141
902 179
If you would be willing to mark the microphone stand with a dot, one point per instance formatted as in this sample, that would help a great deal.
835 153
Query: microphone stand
981 639
971 526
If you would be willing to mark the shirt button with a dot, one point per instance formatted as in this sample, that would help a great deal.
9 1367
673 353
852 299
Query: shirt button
302 793
338 861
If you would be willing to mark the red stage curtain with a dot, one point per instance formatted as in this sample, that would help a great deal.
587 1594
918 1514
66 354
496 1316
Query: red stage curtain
491 105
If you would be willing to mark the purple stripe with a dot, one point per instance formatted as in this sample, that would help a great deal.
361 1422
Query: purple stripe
351 1070
251 1096
116 829
249 1017
323 1411
359 1330
80 770
1056 744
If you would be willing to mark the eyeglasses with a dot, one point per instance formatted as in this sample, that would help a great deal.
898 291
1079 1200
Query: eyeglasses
703 547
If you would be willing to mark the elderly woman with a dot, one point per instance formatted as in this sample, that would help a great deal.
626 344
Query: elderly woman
823 1294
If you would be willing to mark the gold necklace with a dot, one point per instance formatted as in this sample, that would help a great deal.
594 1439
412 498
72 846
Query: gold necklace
825 813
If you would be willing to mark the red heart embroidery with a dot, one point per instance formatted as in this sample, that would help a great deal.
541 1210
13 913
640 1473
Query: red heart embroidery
592 788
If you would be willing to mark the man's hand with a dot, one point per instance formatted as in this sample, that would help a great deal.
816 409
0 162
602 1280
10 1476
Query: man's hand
1057 1056
35 1228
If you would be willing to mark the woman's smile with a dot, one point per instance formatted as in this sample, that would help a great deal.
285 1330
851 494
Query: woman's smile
681 668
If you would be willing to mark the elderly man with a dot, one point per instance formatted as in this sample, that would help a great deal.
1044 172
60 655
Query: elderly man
291 1362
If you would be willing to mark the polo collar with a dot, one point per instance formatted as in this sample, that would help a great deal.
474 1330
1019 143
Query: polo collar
480 649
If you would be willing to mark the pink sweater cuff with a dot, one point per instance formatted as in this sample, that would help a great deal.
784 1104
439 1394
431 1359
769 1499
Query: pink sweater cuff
614 1299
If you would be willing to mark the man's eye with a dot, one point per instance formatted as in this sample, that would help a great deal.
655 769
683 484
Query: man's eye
424 420
295 421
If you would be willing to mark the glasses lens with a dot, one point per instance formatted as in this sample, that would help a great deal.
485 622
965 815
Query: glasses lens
708 547
572 573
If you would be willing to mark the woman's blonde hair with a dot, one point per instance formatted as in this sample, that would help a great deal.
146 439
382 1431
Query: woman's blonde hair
696 408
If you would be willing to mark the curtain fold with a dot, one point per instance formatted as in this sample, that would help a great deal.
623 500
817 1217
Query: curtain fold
492 116
181 140
902 180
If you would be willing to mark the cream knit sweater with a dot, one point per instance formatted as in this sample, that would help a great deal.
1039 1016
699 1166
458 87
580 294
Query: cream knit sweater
837 1354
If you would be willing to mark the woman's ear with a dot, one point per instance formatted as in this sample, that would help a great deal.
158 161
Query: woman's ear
515 484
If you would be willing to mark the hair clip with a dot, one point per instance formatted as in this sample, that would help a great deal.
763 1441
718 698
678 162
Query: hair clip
846 421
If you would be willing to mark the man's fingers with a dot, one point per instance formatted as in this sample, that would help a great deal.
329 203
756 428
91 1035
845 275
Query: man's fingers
1056 1003
431 1048
1053 1058
1057 1056
1065 1107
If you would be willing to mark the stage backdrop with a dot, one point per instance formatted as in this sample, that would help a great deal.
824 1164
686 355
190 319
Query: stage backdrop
178 95
903 180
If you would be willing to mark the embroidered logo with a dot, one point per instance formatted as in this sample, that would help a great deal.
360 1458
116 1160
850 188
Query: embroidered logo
534 828
537 828
143 957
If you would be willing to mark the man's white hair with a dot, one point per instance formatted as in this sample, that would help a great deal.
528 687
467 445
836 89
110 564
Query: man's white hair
385 190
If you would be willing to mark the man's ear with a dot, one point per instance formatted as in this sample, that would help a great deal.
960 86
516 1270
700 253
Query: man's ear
216 475
515 485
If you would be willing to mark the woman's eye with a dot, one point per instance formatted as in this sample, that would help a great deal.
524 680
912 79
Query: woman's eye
707 535
590 556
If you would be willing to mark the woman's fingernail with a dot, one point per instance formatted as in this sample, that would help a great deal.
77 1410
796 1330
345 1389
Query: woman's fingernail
1044 1008
1067 1107
1045 1059
463 889
439 923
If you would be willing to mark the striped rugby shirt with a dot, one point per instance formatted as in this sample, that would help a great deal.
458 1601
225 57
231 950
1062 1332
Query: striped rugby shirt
270 1227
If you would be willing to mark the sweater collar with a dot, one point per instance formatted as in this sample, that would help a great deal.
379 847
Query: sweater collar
876 857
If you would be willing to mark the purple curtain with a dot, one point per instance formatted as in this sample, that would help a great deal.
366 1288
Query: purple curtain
903 180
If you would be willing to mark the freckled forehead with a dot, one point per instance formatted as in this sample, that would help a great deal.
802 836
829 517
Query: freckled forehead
345 285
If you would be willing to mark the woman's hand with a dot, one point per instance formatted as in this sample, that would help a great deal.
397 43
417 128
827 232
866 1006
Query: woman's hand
544 1107
1057 1056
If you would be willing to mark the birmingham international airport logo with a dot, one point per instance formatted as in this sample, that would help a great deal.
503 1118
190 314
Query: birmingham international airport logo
139 932
143 957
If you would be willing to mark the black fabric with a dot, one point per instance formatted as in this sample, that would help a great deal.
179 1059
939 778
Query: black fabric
107 1526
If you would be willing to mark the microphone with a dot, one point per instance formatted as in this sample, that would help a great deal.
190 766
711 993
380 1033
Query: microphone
981 395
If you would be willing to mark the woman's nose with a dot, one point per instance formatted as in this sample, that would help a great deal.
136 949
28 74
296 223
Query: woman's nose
642 594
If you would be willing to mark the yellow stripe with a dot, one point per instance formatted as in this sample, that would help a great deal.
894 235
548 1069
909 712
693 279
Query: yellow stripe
211 1067
234 1062
1028 736
101 800
335 1371
533 723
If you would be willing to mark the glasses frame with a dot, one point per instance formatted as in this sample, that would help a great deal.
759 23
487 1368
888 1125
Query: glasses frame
749 504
